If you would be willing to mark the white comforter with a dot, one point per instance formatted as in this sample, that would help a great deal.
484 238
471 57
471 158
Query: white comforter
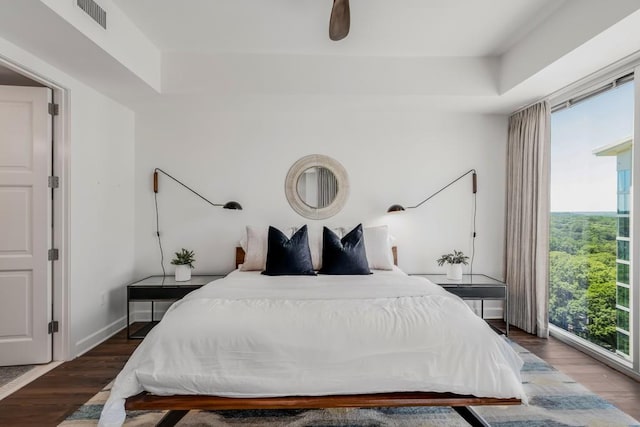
250 335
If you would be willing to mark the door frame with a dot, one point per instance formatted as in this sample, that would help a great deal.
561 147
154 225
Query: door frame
60 294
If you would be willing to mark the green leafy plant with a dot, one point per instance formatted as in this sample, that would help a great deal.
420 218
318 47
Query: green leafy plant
184 257
454 258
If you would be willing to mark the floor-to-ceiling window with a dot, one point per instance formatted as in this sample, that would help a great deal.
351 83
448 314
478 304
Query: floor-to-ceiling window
589 255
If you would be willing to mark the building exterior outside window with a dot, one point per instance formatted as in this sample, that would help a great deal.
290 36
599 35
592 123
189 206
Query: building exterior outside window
623 152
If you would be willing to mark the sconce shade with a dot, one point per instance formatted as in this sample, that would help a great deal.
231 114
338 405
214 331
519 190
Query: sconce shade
232 205
395 208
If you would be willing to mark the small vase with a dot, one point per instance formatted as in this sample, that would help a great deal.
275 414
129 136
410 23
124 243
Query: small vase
183 273
454 271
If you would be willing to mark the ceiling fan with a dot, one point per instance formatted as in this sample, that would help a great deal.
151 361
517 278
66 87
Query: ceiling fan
340 20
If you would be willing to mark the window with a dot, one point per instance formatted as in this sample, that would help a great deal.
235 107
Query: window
623 343
622 296
623 319
590 243
623 273
623 250
623 226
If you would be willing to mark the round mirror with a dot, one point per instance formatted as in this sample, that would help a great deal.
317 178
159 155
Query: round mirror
317 186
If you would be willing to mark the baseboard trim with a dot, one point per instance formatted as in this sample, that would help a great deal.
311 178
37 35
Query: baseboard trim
492 308
145 315
99 337
492 313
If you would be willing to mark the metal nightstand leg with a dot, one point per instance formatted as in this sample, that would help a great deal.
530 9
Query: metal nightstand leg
128 322
506 307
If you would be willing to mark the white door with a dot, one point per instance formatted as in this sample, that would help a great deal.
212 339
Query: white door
25 225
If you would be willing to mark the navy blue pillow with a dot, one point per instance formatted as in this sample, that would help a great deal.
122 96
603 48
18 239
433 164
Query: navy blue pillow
346 255
288 257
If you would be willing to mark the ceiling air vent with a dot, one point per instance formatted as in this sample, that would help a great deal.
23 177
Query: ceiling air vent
96 13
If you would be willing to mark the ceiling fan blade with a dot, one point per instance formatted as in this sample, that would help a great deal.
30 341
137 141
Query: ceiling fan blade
340 20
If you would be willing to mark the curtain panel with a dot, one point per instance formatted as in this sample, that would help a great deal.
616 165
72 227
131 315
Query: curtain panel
327 187
527 218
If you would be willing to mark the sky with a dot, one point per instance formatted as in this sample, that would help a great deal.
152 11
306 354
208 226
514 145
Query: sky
581 181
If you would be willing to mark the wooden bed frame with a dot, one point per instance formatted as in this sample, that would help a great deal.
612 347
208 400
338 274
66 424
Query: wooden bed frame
179 405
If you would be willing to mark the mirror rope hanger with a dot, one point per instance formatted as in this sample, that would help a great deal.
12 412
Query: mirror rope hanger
229 205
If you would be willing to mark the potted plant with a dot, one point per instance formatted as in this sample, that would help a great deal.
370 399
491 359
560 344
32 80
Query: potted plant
184 263
454 263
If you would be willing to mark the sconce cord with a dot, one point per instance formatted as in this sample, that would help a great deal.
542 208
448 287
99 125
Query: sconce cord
164 273
473 237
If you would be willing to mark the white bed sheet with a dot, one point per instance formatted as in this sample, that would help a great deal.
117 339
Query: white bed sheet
250 335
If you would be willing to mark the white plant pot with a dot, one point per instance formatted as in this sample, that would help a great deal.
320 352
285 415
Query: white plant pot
454 271
183 273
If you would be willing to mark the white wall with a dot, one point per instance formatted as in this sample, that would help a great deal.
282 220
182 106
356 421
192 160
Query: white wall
391 157
101 216
98 154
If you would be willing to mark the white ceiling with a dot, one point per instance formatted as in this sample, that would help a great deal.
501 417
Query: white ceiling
490 56
378 27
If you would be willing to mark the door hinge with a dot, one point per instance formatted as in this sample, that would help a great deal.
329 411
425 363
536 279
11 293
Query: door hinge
54 109
53 326
53 255
54 181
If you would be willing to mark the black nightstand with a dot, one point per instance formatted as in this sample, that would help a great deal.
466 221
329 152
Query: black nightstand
159 288
474 287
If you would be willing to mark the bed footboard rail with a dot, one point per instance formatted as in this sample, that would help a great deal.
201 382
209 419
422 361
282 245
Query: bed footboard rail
145 401
179 406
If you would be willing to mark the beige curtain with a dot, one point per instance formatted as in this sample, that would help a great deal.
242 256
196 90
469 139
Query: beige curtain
527 212
327 187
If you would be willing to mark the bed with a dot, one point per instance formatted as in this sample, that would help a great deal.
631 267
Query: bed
251 341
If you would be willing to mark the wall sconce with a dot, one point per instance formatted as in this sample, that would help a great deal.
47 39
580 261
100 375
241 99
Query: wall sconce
399 208
474 189
229 205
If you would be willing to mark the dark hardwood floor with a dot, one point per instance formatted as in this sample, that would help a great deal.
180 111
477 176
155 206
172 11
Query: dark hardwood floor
48 400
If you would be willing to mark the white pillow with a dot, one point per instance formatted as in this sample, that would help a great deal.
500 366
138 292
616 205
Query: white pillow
255 246
255 249
315 244
377 244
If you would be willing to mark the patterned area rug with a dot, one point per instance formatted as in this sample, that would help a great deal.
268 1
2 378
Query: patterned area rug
554 400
